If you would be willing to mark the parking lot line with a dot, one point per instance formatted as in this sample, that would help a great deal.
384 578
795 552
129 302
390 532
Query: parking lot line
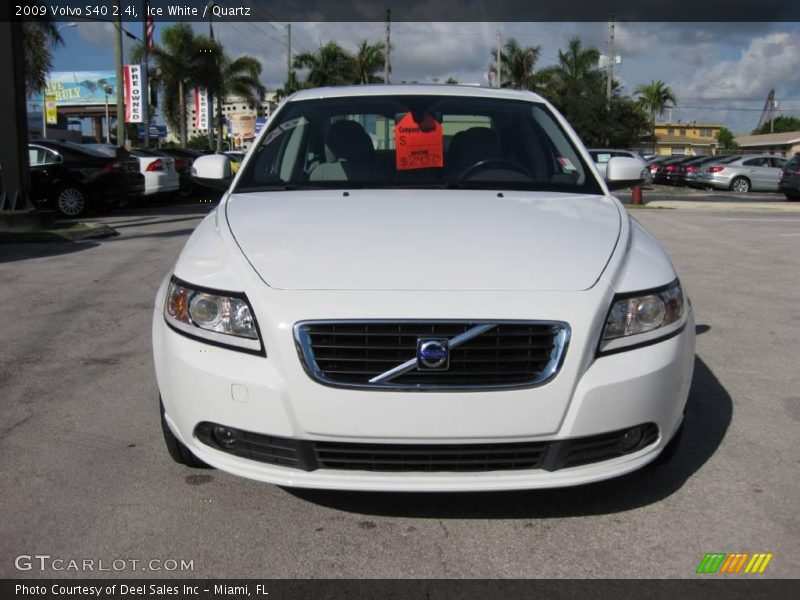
764 219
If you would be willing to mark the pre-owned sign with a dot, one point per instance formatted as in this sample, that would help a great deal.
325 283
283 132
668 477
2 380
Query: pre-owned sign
134 100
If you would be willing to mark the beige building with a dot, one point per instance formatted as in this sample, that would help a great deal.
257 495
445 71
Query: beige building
685 139
783 144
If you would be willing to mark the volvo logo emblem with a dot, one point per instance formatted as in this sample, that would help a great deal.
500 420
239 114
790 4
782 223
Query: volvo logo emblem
433 354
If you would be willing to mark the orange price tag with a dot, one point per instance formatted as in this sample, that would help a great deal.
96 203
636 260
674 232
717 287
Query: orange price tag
418 145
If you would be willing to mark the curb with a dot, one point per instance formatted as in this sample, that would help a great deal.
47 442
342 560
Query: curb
93 231
792 207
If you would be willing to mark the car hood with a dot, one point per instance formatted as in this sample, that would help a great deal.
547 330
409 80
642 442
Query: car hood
425 239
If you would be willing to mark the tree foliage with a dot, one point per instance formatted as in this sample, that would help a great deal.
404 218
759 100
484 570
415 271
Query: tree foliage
655 97
370 60
516 65
726 140
183 60
329 65
38 38
780 124
577 87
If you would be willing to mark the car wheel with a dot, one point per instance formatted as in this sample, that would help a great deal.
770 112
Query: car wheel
177 450
740 185
71 201
793 197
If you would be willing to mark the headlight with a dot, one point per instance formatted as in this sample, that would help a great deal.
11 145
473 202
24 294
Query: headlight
216 317
643 318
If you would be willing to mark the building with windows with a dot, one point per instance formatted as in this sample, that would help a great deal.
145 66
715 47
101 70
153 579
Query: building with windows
693 139
233 106
782 144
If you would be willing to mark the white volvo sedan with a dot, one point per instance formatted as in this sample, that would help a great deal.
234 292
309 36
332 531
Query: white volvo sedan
421 288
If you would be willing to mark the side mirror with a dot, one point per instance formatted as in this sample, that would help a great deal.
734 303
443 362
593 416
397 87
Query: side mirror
212 170
625 172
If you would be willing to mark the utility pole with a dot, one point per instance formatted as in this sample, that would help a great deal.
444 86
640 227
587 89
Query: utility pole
612 56
120 83
146 78
387 58
288 50
211 115
497 63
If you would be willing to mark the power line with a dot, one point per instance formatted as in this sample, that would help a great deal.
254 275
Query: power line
733 108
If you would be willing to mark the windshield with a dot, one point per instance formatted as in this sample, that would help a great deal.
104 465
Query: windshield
416 141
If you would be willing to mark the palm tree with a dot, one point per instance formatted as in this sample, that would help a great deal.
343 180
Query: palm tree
576 66
224 76
369 60
173 71
38 38
516 65
290 86
654 97
329 65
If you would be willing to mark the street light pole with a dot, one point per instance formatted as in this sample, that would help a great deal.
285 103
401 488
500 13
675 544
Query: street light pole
108 89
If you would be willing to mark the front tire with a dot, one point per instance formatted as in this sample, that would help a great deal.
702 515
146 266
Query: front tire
740 185
71 201
793 197
177 450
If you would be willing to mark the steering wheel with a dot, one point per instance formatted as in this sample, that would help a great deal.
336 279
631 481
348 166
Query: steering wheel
494 162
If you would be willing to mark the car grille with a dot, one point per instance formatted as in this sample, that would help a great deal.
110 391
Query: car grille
425 458
507 354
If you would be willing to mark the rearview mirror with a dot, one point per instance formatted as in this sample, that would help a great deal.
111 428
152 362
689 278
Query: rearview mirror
213 170
624 172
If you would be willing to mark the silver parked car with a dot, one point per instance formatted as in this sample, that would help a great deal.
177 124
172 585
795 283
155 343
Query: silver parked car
601 156
756 172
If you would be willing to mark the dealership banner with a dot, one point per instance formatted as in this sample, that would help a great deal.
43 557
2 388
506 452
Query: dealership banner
50 109
79 88
201 116
134 99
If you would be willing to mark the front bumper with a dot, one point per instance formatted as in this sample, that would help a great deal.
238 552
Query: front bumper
274 396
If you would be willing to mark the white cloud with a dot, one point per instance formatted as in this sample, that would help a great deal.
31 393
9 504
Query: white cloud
770 61
97 33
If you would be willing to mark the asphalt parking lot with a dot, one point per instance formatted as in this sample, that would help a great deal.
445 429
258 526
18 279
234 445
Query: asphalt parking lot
85 474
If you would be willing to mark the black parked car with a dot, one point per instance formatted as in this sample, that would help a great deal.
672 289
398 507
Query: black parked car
688 170
789 183
184 158
665 171
72 178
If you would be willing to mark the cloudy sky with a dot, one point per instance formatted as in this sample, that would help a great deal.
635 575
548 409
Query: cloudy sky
720 72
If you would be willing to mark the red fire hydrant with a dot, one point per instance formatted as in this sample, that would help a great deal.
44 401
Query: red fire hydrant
636 195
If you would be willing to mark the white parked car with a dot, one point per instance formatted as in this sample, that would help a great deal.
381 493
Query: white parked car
751 172
158 168
601 156
467 309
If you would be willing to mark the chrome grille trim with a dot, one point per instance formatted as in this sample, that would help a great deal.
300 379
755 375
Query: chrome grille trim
555 358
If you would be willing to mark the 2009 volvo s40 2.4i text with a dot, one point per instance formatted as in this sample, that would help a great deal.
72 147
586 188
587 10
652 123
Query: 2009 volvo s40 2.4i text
421 288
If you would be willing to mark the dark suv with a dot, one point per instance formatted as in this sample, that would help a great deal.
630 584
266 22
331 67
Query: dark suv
789 182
